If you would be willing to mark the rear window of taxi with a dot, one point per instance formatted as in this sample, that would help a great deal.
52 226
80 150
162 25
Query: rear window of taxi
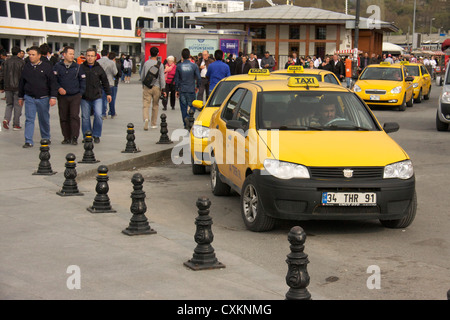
303 110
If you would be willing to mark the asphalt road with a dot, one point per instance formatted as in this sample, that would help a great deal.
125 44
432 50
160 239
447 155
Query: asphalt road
413 262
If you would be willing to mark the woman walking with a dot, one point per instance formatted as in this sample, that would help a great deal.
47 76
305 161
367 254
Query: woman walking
127 65
169 73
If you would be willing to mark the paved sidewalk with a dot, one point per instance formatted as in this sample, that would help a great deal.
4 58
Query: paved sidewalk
43 234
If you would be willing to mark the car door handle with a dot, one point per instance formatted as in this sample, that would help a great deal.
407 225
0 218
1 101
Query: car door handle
217 127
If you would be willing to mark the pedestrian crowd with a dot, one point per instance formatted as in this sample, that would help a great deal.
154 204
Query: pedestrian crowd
85 87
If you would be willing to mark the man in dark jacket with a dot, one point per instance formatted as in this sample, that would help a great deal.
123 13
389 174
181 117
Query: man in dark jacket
203 64
9 82
243 66
96 79
38 90
71 86
338 67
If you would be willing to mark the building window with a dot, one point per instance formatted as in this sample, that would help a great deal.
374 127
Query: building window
35 12
17 10
117 22
51 14
186 26
259 48
93 20
3 11
106 21
127 23
260 32
321 33
180 22
65 16
294 32
166 22
172 22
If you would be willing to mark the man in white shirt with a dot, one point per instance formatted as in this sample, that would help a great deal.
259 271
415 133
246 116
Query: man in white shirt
203 64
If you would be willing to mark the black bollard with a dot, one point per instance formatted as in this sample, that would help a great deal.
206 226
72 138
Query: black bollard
88 156
204 256
44 167
70 187
138 222
101 201
189 120
297 277
164 138
131 145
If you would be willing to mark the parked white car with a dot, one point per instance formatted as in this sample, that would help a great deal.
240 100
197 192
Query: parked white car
443 112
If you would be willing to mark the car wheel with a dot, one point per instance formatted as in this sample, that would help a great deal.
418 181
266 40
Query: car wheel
402 107
405 221
253 214
419 97
197 168
410 103
427 96
218 188
440 126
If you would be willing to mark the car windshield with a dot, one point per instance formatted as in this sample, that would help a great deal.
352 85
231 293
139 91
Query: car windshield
380 73
221 92
413 71
304 110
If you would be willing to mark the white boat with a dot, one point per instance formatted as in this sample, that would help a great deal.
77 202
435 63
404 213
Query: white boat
111 24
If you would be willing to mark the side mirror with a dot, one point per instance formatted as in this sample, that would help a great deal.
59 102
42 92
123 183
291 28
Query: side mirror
234 125
389 127
409 78
198 104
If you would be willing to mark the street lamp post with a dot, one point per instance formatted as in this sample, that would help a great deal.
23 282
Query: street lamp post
414 40
431 23
79 31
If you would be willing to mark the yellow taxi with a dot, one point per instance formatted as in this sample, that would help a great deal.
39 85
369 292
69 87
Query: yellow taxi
200 128
299 149
385 84
320 74
422 80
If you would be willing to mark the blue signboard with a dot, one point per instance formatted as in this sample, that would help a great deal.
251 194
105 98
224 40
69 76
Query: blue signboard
230 46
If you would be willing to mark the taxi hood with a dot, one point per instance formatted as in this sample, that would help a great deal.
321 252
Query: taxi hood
334 148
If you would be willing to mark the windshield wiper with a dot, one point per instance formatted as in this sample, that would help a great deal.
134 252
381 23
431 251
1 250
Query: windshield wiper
299 128
334 127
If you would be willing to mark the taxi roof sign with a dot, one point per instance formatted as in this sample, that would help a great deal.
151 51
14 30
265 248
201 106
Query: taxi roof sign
259 72
303 82
404 62
385 63
295 69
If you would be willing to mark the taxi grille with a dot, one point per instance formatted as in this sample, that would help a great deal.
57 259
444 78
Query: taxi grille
375 91
338 172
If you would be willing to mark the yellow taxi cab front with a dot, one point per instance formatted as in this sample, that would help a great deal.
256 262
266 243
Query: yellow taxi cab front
385 84
200 128
298 149
422 80
320 74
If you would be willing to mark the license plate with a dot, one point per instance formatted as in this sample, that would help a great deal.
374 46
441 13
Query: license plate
374 97
349 198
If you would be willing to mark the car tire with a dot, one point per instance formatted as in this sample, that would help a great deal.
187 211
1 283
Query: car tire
197 168
419 97
405 221
402 107
253 214
410 103
218 187
427 96
440 126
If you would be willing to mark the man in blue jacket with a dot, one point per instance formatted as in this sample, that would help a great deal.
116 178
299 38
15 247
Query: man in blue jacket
71 86
187 82
217 70
38 90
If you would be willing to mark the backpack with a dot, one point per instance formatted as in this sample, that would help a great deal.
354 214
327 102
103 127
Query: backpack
151 75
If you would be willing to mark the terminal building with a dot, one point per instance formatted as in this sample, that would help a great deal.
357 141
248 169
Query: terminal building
284 29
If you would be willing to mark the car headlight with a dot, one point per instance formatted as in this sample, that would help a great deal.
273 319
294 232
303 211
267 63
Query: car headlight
200 132
415 85
285 170
356 88
401 170
446 97
397 89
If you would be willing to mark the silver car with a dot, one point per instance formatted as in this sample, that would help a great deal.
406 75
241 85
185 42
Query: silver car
443 112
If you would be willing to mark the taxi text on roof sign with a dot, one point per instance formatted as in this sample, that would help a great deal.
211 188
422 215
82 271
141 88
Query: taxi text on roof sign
404 62
295 69
303 82
261 72
384 63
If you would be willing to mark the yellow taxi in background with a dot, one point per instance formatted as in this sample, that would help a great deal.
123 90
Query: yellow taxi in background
320 74
386 85
200 129
422 80
299 149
